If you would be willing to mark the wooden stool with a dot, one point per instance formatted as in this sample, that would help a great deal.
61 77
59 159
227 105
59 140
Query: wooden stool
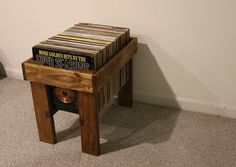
87 85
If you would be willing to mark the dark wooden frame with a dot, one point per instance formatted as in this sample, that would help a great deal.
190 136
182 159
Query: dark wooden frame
87 84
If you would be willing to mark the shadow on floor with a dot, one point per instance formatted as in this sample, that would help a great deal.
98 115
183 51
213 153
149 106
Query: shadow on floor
72 132
122 127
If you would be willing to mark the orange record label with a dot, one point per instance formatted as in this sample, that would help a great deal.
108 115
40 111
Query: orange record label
64 95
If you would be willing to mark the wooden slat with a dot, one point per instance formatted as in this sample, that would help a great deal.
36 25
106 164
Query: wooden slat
125 94
108 71
74 80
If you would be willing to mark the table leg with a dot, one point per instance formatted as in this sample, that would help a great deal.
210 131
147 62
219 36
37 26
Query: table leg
43 112
125 94
89 123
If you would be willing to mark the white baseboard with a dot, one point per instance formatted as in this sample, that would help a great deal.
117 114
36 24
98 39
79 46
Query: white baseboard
186 104
176 102
14 73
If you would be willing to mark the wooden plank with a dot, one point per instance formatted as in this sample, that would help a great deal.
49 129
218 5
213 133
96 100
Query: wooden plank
74 80
89 123
43 113
108 71
125 94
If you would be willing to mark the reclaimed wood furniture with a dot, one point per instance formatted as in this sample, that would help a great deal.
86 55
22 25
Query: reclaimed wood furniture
87 84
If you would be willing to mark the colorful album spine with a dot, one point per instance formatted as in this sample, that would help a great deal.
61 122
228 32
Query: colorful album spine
84 46
126 31
93 42
104 36
105 49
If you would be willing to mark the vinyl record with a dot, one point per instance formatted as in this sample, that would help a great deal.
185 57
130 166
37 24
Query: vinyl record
64 95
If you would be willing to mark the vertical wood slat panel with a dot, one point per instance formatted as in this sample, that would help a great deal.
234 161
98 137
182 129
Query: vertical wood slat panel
125 94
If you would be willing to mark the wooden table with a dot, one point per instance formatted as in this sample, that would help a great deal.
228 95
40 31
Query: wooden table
87 85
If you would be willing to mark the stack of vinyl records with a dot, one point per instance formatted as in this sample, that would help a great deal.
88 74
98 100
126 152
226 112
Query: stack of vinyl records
86 46
83 46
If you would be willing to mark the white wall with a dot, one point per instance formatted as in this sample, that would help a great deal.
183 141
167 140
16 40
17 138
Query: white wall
187 48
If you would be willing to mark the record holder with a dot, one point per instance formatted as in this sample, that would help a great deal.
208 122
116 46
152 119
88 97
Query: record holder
76 91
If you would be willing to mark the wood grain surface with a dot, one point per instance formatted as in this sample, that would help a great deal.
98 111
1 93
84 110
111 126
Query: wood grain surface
43 113
74 80
89 123
125 94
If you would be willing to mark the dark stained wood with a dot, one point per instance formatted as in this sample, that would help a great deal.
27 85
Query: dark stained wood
75 80
89 123
125 94
43 113
108 71
87 84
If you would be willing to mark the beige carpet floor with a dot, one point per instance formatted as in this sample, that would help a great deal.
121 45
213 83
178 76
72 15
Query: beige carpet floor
142 136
